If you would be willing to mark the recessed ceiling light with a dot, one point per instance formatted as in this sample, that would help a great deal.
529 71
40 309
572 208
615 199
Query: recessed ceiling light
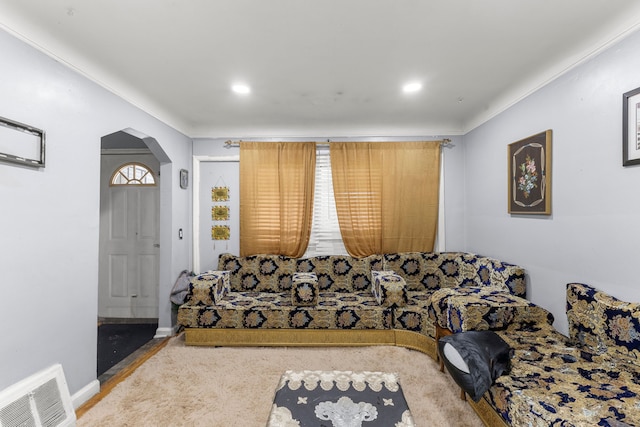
241 88
412 87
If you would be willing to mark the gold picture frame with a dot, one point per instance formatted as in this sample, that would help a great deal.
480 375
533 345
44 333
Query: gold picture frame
220 232
220 213
219 194
530 175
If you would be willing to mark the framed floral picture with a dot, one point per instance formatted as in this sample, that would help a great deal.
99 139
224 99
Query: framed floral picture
530 175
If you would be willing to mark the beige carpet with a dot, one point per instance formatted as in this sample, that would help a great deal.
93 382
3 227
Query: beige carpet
234 387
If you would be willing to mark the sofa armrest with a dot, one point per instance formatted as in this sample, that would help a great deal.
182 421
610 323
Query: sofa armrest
483 308
389 288
602 323
208 288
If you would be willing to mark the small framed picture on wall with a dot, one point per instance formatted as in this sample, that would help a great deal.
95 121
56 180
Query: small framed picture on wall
184 178
631 128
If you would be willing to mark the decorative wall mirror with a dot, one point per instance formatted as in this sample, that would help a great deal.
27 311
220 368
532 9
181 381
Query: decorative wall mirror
21 144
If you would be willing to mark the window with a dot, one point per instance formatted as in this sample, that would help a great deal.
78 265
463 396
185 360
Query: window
133 174
325 236
276 200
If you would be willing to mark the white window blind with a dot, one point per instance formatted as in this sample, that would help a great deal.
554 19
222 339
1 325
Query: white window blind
325 236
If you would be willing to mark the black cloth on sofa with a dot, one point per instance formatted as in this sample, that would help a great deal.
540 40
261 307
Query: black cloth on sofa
486 355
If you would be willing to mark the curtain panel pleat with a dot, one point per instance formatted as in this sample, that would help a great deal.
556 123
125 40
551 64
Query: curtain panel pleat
386 195
276 197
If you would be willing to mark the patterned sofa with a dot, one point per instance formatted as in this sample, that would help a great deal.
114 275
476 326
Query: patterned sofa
255 300
591 378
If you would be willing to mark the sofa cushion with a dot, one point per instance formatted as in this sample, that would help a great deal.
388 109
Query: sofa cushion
431 271
304 289
207 288
340 273
334 310
553 383
475 359
485 271
389 289
413 316
601 323
482 308
259 273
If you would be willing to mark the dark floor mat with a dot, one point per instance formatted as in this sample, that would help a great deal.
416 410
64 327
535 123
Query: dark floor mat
117 341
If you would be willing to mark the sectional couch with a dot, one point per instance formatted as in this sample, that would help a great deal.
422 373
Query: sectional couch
377 300
591 378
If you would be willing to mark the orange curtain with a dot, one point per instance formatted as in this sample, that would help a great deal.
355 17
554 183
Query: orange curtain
386 195
276 197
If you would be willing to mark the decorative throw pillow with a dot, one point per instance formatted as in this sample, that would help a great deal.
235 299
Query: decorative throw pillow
304 289
208 288
475 359
389 288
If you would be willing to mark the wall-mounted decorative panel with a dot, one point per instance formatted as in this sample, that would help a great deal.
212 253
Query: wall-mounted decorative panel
21 144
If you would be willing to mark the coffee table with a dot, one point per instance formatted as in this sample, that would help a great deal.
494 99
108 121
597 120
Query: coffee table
339 399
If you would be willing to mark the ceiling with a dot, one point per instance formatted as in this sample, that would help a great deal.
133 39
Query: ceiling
325 67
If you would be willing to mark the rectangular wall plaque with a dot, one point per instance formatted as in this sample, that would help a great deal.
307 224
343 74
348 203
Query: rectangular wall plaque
21 144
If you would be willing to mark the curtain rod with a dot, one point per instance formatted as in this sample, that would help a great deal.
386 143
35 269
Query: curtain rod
229 143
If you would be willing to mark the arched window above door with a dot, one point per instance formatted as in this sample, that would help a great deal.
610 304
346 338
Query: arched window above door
133 174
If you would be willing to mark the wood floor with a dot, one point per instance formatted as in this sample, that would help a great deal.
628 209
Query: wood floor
122 370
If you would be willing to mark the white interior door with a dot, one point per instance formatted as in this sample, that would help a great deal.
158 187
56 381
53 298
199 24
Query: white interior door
129 242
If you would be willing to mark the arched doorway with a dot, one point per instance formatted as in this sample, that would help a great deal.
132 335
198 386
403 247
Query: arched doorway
130 252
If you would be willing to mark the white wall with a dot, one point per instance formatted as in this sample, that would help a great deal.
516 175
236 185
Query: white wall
592 234
454 175
50 216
